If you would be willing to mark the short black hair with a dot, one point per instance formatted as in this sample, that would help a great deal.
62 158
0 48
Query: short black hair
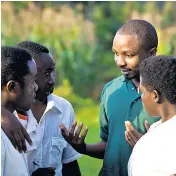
33 48
145 32
159 73
14 64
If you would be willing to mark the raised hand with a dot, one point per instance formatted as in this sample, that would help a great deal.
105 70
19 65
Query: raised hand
131 134
74 138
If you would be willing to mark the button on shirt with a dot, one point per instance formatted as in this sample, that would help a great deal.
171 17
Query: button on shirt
155 153
54 150
120 102
13 163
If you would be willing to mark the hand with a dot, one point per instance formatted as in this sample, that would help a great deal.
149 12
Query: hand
14 130
44 172
132 135
75 140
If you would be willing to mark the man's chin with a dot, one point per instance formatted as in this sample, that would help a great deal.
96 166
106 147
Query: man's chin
131 76
41 99
48 93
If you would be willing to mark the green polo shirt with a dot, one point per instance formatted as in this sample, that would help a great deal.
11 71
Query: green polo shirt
120 102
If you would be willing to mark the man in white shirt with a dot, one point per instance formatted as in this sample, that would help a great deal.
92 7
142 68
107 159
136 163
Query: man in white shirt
155 153
49 111
18 74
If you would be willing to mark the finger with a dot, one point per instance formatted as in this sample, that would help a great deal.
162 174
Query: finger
24 148
132 137
147 125
72 129
12 139
130 128
82 138
128 140
77 133
129 125
18 141
64 131
26 136
132 140
130 134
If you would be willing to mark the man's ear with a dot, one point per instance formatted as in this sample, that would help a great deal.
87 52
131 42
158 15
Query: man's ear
12 86
152 52
157 96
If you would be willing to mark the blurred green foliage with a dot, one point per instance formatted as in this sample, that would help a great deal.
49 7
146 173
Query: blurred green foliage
79 35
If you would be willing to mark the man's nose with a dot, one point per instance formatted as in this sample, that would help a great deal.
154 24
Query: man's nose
120 61
35 87
52 79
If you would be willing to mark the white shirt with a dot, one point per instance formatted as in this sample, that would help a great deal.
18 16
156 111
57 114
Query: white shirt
34 130
155 153
13 163
54 150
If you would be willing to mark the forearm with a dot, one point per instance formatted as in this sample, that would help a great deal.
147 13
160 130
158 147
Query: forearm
5 114
96 150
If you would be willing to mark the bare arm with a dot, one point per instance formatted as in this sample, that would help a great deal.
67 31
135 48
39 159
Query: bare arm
96 150
14 130
77 142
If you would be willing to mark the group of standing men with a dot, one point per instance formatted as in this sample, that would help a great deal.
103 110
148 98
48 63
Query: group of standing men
144 94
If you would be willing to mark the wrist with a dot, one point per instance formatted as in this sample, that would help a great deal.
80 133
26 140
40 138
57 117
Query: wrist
84 149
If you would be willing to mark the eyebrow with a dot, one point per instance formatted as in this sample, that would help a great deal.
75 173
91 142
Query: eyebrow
51 68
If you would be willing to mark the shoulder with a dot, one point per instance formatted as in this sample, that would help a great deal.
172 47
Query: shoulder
61 102
62 105
113 85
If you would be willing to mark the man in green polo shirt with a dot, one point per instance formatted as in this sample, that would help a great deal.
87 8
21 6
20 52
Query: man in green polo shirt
120 100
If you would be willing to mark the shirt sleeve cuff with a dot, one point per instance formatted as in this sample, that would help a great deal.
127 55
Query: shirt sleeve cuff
71 159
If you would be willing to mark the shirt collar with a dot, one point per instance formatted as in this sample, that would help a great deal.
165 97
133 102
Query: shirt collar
52 103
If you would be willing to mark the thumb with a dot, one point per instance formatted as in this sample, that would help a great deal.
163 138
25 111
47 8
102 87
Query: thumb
146 124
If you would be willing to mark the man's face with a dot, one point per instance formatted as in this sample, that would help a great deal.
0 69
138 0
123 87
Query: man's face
27 93
148 99
45 76
128 54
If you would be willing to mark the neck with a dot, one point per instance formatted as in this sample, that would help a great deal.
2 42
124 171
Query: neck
136 81
167 111
8 106
41 100
6 103
38 109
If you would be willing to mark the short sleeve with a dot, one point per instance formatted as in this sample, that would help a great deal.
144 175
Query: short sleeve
103 118
70 154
